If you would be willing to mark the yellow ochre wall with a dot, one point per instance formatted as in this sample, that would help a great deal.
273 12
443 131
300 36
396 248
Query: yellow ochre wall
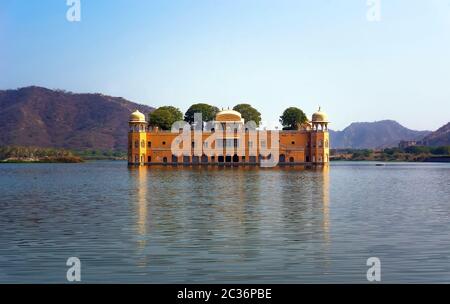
296 146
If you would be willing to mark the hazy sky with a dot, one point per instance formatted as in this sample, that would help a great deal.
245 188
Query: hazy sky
271 54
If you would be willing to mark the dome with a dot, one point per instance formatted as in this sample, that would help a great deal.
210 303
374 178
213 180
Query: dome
228 115
319 116
137 116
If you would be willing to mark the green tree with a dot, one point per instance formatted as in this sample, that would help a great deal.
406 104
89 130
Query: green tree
248 113
391 151
417 150
444 150
292 117
164 117
176 113
208 112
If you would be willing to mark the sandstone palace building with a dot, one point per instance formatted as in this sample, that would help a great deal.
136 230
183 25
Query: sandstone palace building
228 140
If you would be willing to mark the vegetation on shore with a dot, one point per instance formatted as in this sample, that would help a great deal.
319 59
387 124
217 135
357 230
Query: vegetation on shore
15 154
19 154
97 154
410 154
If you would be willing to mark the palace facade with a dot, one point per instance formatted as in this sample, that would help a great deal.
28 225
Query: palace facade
228 141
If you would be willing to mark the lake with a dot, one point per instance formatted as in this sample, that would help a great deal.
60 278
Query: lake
224 225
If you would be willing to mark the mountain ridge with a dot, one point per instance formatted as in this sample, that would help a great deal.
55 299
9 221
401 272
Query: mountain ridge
440 137
55 118
38 116
373 135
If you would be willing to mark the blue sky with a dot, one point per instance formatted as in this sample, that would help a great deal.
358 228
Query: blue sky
271 54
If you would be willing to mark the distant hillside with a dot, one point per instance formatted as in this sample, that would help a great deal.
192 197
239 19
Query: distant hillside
35 116
372 135
440 137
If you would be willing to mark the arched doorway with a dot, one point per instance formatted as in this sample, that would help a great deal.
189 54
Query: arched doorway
195 160
228 159
149 159
165 160
282 158
221 159
204 159
235 158
291 159
174 158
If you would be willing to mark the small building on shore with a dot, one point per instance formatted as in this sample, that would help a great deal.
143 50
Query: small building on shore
403 144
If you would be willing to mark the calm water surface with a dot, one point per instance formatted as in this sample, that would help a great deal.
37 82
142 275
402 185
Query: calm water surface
230 225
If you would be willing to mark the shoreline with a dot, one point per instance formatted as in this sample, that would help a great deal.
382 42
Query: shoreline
442 159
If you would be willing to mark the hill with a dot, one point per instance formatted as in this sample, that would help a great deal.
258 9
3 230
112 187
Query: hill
36 116
440 137
372 135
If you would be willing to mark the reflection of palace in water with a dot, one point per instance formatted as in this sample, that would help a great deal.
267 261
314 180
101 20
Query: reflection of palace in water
229 140
298 201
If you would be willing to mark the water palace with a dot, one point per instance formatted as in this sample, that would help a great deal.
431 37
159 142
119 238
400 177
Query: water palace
309 144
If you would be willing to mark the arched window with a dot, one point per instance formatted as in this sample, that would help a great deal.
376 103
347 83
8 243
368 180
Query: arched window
143 144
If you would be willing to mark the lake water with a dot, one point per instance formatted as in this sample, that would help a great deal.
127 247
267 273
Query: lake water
224 225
